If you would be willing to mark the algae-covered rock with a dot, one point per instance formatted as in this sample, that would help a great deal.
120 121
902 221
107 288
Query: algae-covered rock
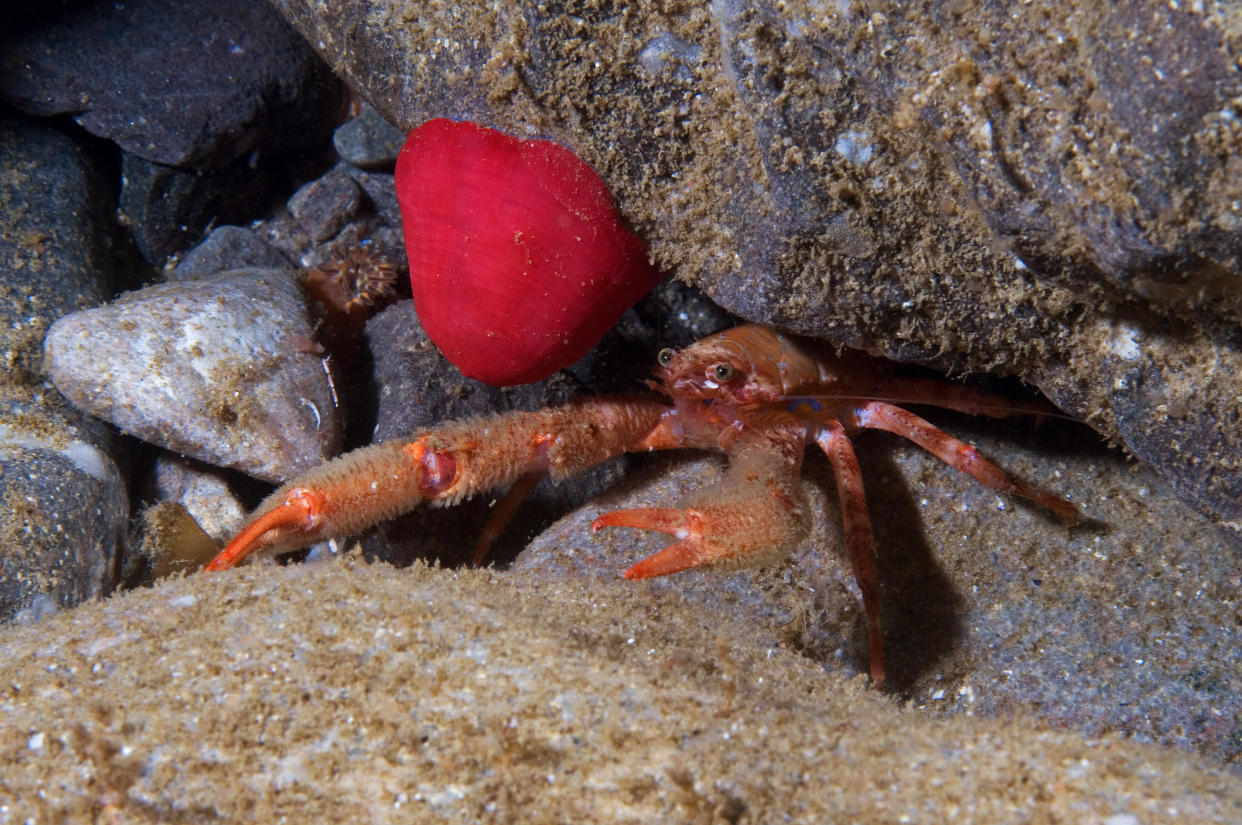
1043 190
218 370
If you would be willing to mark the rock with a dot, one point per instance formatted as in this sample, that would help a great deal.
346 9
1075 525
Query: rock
65 497
66 504
218 370
175 83
200 102
332 222
225 249
368 141
204 493
419 388
338 688
381 191
1124 624
894 182
168 208
325 205
344 207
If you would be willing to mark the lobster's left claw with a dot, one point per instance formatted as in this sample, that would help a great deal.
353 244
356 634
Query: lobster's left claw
298 512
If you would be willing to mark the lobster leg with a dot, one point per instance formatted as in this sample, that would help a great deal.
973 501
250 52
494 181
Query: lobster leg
859 541
502 514
444 464
755 515
880 415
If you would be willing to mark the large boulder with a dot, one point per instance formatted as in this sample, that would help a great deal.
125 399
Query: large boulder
1045 192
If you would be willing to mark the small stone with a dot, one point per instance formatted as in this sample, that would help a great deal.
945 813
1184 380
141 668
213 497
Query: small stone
202 490
381 190
228 248
325 205
219 371
368 141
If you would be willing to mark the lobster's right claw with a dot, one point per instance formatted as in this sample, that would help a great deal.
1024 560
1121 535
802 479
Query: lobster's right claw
692 550
723 536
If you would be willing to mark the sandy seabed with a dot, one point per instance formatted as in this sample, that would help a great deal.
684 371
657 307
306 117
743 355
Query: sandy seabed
343 691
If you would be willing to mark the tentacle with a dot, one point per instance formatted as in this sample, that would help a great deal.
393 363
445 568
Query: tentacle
444 464
859 541
880 415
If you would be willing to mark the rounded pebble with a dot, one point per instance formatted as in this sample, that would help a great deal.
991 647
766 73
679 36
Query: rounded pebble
220 371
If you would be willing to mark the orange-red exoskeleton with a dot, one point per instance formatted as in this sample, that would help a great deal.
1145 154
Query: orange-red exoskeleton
758 395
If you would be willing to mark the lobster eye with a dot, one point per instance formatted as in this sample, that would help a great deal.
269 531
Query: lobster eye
724 372
664 357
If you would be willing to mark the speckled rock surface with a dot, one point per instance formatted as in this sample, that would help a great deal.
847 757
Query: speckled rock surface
63 496
338 691
914 179
237 348
1125 623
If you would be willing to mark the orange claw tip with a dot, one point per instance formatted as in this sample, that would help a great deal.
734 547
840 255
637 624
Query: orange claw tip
234 552
519 259
220 562
299 510
672 559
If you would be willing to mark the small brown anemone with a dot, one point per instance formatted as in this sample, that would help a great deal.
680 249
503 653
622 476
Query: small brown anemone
353 280
351 286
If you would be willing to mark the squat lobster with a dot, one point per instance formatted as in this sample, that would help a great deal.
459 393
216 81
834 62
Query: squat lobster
758 395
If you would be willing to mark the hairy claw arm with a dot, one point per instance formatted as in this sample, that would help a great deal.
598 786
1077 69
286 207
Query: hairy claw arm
446 463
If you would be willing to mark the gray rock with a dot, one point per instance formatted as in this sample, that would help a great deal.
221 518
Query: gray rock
368 141
64 494
344 207
225 249
177 83
167 208
896 182
200 101
326 204
381 191
419 388
202 490
219 370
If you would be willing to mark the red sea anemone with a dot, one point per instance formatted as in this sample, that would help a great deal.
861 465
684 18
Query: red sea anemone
519 260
